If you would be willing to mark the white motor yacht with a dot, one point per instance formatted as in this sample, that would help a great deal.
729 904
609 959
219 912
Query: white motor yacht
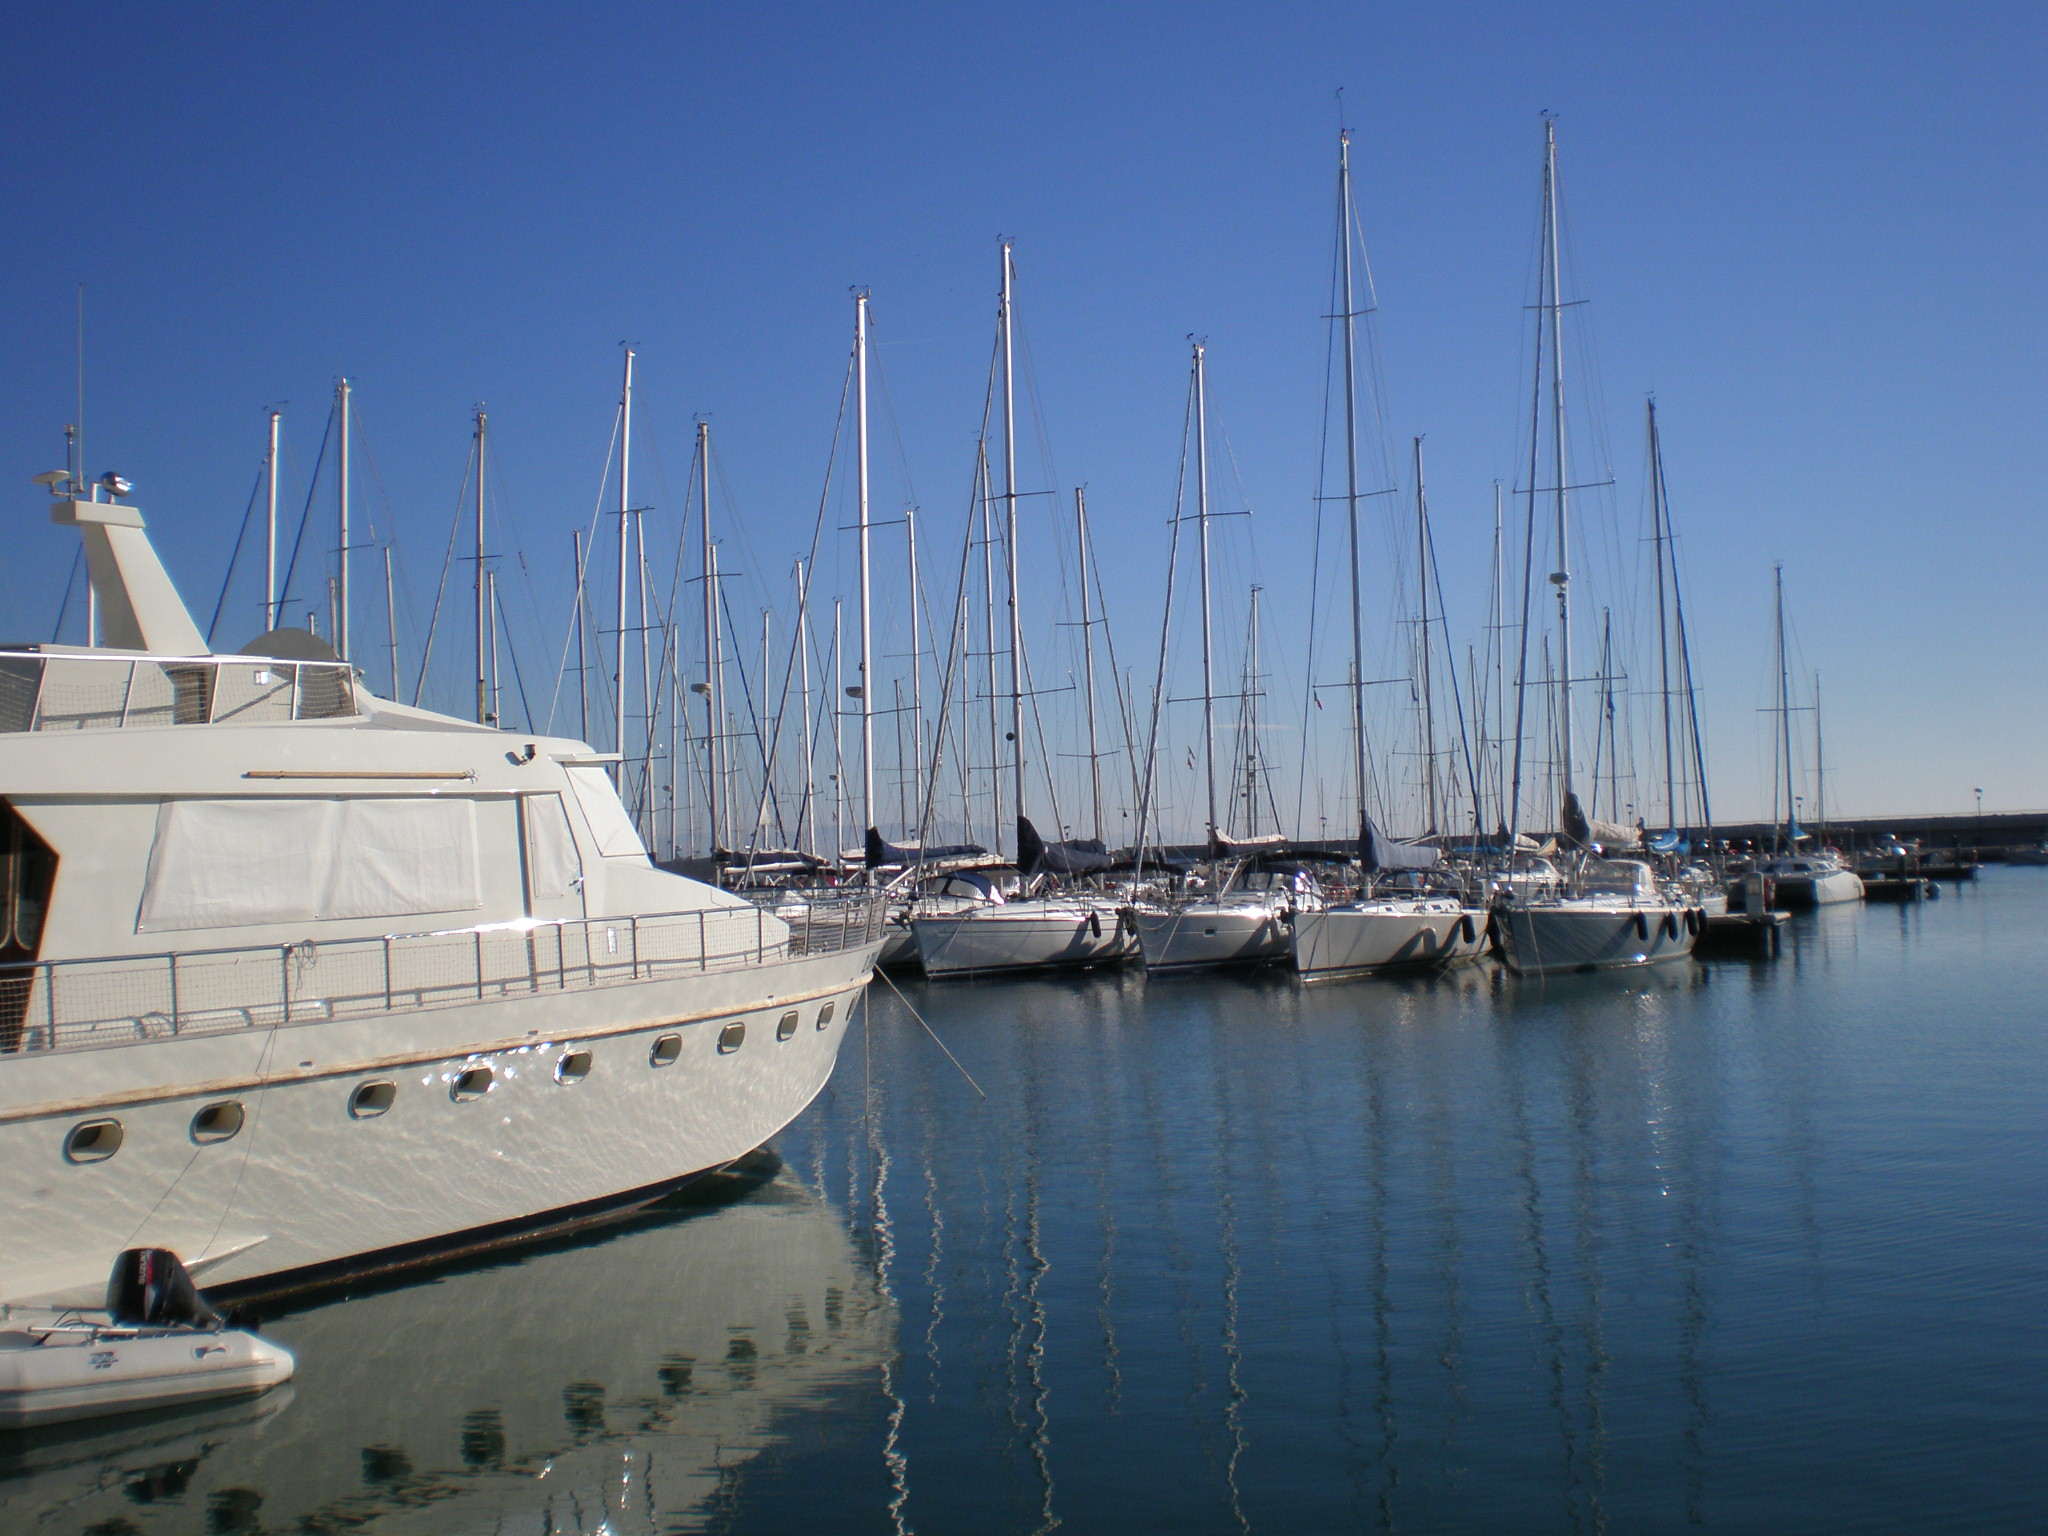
1810 880
296 981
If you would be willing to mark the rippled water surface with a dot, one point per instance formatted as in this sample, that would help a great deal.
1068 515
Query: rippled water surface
1744 1247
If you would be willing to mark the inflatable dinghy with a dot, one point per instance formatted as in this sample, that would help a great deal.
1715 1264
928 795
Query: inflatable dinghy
160 1346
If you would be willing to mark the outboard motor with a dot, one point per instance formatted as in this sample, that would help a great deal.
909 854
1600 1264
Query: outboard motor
150 1288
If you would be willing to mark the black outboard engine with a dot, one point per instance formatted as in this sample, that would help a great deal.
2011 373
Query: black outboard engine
149 1288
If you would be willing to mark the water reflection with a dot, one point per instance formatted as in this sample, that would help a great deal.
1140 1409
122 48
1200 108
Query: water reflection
617 1384
1734 1245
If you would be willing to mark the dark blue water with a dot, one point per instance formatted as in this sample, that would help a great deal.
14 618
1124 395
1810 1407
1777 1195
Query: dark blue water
1741 1247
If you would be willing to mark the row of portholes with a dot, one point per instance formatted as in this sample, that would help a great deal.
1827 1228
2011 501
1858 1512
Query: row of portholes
94 1141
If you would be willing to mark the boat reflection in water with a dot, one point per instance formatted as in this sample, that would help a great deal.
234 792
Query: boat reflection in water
613 1384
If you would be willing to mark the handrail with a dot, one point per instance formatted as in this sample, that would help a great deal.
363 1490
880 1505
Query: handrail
66 1004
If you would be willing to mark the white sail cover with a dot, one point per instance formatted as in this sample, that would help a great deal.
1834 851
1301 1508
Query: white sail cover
237 863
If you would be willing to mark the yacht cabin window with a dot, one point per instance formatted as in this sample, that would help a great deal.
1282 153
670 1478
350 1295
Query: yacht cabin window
609 824
277 859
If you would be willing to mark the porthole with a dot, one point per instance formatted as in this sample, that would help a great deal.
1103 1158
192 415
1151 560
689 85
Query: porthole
825 1015
470 1083
666 1049
371 1099
93 1141
573 1067
730 1037
217 1122
787 1027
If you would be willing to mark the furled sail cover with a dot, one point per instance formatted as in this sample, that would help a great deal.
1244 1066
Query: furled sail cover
1580 830
617 837
1378 852
236 863
1080 856
879 852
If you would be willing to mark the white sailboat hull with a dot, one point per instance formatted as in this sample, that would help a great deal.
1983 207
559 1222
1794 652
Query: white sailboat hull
1019 936
306 1188
1207 933
1360 938
1550 939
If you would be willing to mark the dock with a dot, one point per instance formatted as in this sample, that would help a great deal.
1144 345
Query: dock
1754 935
1900 888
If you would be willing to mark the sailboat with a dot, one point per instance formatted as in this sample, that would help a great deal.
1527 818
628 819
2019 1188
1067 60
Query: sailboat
1227 923
1816 877
1043 928
1598 913
1375 931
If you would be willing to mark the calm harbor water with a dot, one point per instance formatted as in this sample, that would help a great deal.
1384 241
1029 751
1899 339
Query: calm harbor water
1735 1246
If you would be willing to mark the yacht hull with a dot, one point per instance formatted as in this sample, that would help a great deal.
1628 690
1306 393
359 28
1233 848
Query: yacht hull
1551 940
1205 935
308 1187
1361 940
1798 892
1020 936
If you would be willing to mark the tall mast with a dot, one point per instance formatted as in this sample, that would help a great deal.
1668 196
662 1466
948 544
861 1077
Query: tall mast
1088 656
803 645
867 703
1010 531
714 671
838 740
916 673
483 607
342 394
491 606
1202 537
1252 719
988 603
391 620
625 569
1562 576
582 655
1428 703
1659 533
1784 701
270 530
1820 767
1350 318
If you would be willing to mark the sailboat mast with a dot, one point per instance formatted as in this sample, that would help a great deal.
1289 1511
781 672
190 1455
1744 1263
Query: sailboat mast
1659 532
713 669
1202 545
1088 656
1010 529
916 671
1784 700
803 645
625 504
1820 767
582 653
1350 318
1428 702
343 395
988 605
270 617
867 687
391 620
1562 576
483 607
1253 760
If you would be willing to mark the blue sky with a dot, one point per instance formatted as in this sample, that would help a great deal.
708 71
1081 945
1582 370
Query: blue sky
1817 233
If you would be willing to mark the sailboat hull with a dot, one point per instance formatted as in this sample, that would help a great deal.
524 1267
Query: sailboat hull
1550 940
1362 939
1206 934
1021 936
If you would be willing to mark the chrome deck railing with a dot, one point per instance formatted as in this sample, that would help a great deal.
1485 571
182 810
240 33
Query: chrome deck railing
81 691
68 1004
